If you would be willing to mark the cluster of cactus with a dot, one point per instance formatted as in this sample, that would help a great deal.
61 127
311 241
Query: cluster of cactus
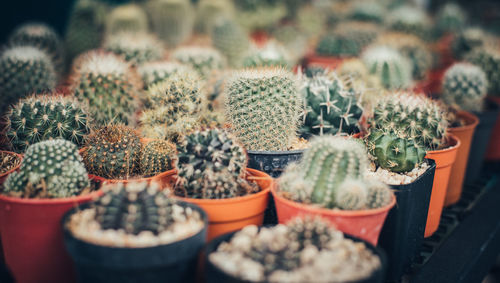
231 41
136 48
172 20
263 106
330 107
259 14
465 87
109 86
347 40
40 118
332 174
368 11
211 165
450 18
208 11
129 18
155 72
410 20
467 40
203 60
488 59
271 54
156 157
50 169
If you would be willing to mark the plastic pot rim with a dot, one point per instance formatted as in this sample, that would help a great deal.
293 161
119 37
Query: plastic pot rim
472 122
49 201
140 179
452 144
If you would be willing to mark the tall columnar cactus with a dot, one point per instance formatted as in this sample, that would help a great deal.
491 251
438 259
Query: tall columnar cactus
24 70
465 86
208 11
135 48
347 40
467 40
231 41
172 20
155 72
488 59
109 86
40 118
389 65
330 107
263 107
50 169
202 59
410 20
157 157
113 152
271 54
450 18
127 18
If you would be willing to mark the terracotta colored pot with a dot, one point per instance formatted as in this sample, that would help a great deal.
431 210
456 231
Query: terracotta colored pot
443 46
164 179
260 37
4 176
364 224
431 86
444 161
32 238
457 176
331 63
226 215
493 151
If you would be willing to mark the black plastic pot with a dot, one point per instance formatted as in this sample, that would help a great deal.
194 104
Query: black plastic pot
403 231
174 262
480 140
214 274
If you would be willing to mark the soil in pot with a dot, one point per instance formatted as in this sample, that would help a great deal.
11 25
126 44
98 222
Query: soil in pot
493 151
9 162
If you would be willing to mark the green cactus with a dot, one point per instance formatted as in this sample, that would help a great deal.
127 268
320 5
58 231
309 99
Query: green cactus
368 11
410 20
231 41
263 106
155 72
347 40
113 152
259 14
271 54
467 40
204 60
378 194
24 70
393 69
488 59
450 18
136 48
209 11
50 169
172 20
109 86
157 157
465 87
294 40
127 18
40 118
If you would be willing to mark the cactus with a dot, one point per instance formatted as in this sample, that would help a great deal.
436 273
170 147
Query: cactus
50 169
410 20
231 41
202 59
109 86
450 18
263 106
209 11
135 48
24 70
256 15
389 65
467 40
40 118
172 20
113 152
347 40
127 18
488 59
155 72
157 157
294 40
464 87
271 54
330 107
368 11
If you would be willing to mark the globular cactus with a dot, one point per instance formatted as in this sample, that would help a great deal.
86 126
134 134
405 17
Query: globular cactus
155 72
45 117
231 41
24 70
113 152
157 157
488 59
330 107
450 18
50 169
467 40
271 54
172 20
259 14
263 106
293 39
393 69
135 48
129 18
368 11
410 20
465 87
108 84
208 11
204 60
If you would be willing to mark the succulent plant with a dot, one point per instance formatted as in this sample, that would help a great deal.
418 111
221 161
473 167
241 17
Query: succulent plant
136 48
465 87
293 39
50 169
467 40
311 20
113 152
172 20
450 18
330 107
263 106
271 54
410 20
202 59
347 40
368 11
45 117
231 41
24 70
259 14
129 18
209 11
155 72
389 65
157 157
488 59
109 86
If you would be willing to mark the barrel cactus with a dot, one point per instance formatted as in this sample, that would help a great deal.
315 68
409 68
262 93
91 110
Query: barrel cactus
271 54
259 14
157 157
393 69
172 20
50 169
410 20
208 11
488 59
135 48
467 40
127 18
368 11
202 59
263 106
465 87
450 18
155 72
231 41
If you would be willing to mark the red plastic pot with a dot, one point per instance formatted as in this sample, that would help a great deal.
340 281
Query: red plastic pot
4 176
260 37
493 151
331 63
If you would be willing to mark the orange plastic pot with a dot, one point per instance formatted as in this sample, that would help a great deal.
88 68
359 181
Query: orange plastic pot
227 215
457 176
364 224
331 63
164 179
444 159
493 151
4 176
32 238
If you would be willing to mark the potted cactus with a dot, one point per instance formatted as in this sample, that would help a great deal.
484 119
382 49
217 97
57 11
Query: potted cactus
135 232
304 250
50 181
155 72
136 48
212 173
9 162
410 20
231 40
272 53
130 18
204 60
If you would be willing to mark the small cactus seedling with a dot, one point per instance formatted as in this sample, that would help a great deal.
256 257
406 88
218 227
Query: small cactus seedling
465 87
128 18
393 69
50 169
231 41
172 20
204 60
271 54
488 59
135 48
157 157
155 72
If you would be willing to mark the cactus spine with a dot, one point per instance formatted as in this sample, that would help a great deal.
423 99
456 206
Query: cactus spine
271 54
135 48
465 86
155 72
204 60
157 157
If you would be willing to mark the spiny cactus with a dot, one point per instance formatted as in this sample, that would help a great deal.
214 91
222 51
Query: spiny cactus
467 40
231 41
50 169
40 118
410 20
465 86
155 72
208 11
450 18
135 48
113 152
263 106
127 18
294 40
202 59
108 84
157 157
259 14
368 11
271 54
389 65
488 59
172 20
347 40
330 107
24 70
